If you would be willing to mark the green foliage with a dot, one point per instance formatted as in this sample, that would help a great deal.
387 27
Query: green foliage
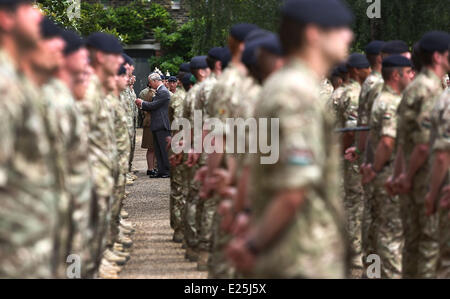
131 23
176 45
400 19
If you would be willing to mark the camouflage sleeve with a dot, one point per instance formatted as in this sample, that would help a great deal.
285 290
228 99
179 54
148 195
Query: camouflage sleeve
389 121
422 120
300 138
6 144
442 130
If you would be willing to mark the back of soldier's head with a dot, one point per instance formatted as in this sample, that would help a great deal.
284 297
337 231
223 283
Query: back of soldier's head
432 43
297 15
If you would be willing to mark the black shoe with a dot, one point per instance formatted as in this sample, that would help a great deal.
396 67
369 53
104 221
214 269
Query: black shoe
164 176
151 172
154 176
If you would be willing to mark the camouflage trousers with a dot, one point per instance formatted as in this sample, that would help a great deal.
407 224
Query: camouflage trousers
218 265
207 209
353 203
133 148
367 238
177 200
386 230
116 207
100 221
421 249
443 268
191 217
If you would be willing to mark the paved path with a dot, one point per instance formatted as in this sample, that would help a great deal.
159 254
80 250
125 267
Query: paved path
153 254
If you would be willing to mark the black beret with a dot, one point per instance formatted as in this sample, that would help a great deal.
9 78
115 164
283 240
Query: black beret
397 61
252 42
49 29
358 61
272 44
240 31
74 42
395 47
374 47
342 68
128 59
226 57
172 79
325 13
435 41
335 72
104 42
185 67
122 70
14 3
186 79
198 62
163 77
215 53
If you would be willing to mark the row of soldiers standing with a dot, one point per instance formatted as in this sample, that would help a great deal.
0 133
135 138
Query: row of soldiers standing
239 218
392 169
68 122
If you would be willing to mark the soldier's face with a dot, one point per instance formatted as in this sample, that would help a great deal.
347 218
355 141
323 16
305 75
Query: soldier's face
122 82
335 44
48 55
26 28
112 63
406 78
173 86
78 61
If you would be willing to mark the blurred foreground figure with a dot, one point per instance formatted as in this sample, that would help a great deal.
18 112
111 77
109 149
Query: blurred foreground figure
297 223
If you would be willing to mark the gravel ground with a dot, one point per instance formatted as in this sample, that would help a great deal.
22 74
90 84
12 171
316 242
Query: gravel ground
153 254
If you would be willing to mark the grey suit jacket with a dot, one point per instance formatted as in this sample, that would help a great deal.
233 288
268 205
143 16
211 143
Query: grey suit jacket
159 110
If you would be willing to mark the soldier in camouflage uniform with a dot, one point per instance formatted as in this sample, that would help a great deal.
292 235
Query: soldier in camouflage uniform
122 140
201 72
337 93
359 69
420 253
69 145
28 202
297 226
386 229
206 207
262 57
222 102
440 177
105 61
177 199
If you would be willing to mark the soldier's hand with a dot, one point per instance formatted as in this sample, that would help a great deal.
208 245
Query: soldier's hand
139 103
389 185
190 158
200 175
221 179
403 184
239 255
445 199
430 204
241 225
225 210
368 174
351 154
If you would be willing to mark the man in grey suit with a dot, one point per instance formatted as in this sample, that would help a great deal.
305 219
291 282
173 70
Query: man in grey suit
160 124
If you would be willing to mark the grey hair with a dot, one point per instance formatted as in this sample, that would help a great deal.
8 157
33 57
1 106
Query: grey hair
154 77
